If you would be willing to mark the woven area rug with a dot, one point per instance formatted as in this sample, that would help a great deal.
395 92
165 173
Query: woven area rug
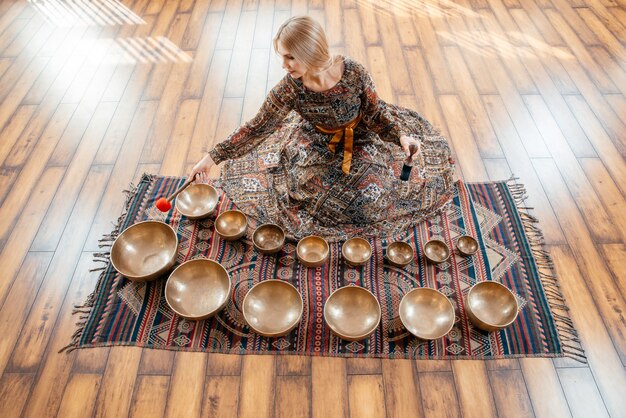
120 312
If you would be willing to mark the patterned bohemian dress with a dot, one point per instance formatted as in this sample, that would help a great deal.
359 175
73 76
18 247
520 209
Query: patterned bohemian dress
290 165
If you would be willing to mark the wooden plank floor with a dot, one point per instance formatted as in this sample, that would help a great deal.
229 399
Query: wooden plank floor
94 93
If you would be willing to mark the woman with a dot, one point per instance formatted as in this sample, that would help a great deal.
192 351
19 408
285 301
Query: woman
323 154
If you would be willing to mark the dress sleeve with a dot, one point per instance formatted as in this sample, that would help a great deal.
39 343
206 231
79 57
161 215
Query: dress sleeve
376 113
278 103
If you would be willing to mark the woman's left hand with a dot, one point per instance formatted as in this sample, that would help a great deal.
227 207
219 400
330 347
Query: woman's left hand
406 142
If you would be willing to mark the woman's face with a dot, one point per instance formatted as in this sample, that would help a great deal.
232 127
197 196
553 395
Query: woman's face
295 68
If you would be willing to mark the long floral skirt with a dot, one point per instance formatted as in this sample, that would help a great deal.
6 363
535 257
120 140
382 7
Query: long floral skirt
295 181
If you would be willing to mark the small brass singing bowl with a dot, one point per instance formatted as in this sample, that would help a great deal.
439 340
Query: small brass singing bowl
231 225
426 313
436 251
197 201
268 238
145 251
198 289
312 251
352 313
356 251
491 306
273 308
467 245
399 254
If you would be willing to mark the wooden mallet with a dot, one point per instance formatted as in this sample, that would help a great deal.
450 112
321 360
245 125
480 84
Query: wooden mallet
408 163
164 204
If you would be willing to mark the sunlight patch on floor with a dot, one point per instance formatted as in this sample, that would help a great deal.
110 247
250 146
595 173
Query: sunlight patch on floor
71 13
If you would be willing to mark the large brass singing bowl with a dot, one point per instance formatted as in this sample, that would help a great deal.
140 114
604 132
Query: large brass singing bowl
198 289
312 251
399 254
426 313
467 245
197 201
352 313
436 251
273 308
145 251
356 251
491 306
231 225
268 238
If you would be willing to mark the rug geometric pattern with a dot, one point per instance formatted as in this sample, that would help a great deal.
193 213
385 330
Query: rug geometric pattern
126 313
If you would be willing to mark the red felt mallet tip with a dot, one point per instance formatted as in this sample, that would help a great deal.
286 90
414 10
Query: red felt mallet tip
163 204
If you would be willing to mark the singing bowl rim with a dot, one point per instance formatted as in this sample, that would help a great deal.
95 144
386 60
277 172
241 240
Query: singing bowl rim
395 263
317 263
430 290
282 332
352 262
465 237
159 272
208 314
347 337
231 237
437 241
479 322
209 212
270 250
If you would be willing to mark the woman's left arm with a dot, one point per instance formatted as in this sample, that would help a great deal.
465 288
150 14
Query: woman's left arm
378 118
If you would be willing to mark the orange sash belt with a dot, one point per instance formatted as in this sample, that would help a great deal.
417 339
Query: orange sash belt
346 133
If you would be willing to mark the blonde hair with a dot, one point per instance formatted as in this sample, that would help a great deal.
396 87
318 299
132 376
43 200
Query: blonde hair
306 41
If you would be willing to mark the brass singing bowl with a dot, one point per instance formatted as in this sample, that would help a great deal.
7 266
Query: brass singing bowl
436 251
491 306
426 313
352 313
312 251
198 289
145 251
467 245
197 201
356 251
273 308
231 225
399 254
268 238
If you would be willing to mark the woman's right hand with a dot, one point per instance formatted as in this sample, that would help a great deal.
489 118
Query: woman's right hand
202 167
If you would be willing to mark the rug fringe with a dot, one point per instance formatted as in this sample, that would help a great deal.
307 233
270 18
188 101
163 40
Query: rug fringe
102 257
568 336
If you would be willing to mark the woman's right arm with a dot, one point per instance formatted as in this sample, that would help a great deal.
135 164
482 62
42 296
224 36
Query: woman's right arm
278 103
